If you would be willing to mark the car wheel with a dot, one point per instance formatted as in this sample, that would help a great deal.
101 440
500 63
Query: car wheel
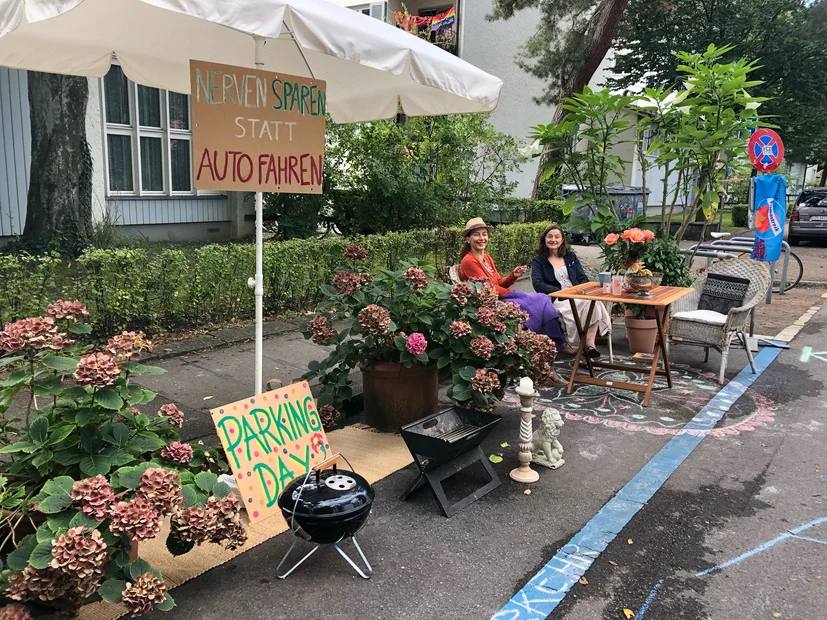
793 240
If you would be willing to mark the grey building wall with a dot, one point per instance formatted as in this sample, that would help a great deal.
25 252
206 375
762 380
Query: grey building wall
493 47
15 150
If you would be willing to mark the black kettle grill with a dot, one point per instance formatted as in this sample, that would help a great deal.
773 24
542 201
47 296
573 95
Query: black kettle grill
326 507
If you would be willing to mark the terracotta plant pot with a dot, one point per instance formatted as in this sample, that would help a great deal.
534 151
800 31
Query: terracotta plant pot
394 395
642 334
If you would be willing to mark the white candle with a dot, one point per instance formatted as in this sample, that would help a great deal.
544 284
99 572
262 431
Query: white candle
526 385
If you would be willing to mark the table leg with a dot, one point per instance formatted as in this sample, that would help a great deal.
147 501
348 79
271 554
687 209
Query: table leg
580 348
663 316
652 373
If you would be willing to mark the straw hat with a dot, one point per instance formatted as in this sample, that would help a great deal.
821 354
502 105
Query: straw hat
474 223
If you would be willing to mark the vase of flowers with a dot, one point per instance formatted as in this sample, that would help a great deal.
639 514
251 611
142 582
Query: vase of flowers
92 468
406 331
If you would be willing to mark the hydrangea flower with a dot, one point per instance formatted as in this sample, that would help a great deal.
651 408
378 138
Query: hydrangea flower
416 344
374 320
97 370
459 329
416 277
482 347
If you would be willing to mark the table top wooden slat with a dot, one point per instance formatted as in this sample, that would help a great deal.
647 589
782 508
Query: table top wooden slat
662 296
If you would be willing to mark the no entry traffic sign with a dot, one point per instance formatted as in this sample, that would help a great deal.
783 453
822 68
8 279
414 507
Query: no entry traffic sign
766 150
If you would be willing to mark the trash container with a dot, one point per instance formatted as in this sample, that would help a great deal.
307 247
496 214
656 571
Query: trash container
627 203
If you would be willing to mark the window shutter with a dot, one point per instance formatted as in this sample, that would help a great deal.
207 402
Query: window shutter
378 9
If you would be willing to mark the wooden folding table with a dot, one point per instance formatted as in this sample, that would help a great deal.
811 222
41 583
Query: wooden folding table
662 298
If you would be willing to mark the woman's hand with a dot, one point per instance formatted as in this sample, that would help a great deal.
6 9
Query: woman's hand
518 271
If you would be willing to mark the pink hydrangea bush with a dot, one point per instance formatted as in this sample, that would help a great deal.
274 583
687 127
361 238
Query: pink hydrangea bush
100 474
409 317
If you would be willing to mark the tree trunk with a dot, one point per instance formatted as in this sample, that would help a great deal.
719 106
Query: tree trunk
603 24
823 182
59 206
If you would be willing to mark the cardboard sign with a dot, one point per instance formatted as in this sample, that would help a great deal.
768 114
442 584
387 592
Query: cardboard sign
256 130
269 440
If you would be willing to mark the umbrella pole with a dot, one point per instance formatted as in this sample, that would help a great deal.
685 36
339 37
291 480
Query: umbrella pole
259 288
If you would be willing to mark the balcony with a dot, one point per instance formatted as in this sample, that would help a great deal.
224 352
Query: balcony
417 19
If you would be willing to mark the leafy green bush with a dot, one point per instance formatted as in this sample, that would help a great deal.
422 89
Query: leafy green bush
740 215
525 210
176 287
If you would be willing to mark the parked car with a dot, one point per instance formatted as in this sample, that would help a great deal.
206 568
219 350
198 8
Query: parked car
809 216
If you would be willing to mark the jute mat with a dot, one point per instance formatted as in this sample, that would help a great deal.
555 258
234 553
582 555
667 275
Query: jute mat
373 455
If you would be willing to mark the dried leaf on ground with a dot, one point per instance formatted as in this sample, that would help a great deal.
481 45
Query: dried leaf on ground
612 563
629 541
628 613
527 492
776 615
495 459
582 581
504 444
209 397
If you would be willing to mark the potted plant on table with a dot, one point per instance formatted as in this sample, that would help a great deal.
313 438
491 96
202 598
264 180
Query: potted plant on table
406 332
85 476
637 253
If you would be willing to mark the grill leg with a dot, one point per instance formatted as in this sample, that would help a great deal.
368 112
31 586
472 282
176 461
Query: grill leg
352 563
297 564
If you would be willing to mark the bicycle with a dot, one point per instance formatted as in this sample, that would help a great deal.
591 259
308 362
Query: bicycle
328 225
795 268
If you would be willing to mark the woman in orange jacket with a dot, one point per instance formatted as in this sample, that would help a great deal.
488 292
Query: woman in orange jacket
475 264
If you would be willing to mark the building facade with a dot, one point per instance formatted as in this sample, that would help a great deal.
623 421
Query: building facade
140 143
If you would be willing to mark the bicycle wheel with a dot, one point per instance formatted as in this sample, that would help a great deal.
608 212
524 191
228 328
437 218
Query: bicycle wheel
795 271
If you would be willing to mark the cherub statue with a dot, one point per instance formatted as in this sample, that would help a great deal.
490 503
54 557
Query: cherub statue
545 448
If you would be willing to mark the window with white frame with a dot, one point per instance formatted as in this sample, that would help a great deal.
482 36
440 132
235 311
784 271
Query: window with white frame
378 10
148 141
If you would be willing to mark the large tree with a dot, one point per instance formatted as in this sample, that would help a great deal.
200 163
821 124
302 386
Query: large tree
59 205
788 38
571 40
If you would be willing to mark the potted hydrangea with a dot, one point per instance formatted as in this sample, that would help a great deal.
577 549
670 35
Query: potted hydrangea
86 475
406 332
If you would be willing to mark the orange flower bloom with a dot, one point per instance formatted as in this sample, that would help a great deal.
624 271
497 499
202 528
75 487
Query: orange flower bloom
626 234
648 234
636 235
611 238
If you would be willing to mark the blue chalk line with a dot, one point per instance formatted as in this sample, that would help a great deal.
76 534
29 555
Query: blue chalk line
541 595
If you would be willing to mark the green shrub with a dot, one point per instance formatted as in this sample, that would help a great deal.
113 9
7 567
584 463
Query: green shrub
740 216
177 287
526 210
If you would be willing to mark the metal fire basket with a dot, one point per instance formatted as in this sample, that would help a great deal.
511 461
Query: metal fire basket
445 443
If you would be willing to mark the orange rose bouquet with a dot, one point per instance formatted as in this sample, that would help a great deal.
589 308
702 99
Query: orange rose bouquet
621 251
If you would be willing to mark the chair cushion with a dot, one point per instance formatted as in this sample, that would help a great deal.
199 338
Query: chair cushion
709 317
721 293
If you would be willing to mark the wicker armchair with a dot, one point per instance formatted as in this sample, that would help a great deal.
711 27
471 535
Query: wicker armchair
453 273
715 330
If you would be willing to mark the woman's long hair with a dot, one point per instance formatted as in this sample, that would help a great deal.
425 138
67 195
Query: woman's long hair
542 250
465 250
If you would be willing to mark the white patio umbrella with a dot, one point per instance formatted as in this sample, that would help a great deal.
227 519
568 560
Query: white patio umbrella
370 67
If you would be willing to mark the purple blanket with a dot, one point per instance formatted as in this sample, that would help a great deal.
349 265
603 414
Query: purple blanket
542 316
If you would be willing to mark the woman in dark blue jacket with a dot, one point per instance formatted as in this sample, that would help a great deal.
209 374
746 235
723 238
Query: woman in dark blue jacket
556 267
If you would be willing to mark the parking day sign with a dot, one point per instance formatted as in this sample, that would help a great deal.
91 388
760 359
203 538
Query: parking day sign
269 440
256 130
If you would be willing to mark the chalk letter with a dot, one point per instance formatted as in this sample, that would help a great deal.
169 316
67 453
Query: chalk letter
241 127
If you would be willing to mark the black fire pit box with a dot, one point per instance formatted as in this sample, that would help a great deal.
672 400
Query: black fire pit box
325 507
444 444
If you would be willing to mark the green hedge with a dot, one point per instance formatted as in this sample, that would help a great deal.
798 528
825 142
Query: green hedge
527 210
740 215
179 287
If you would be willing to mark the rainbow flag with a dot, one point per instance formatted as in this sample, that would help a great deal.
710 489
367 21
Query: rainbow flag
444 20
